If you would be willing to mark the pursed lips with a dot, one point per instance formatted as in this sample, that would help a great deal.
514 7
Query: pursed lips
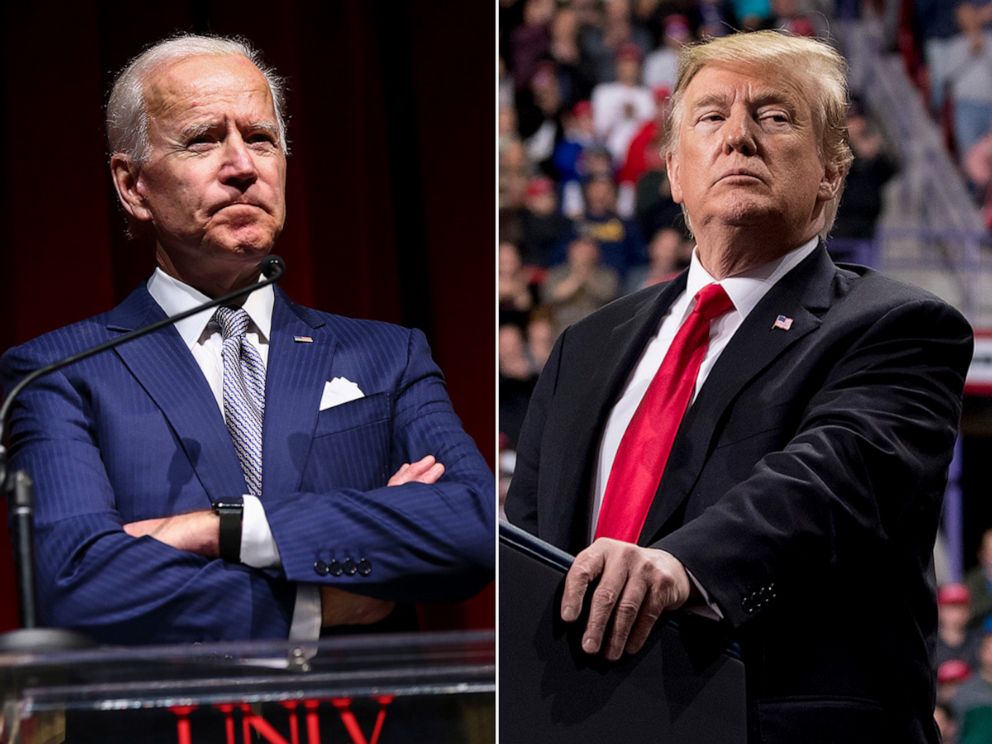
740 173
237 203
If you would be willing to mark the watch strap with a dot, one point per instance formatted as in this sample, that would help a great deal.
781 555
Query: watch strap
231 513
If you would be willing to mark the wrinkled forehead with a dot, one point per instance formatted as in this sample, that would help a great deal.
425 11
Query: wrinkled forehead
756 82
191 82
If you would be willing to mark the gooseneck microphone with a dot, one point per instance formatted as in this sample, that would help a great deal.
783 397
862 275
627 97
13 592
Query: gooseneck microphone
17 485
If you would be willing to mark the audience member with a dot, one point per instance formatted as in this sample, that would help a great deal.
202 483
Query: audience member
541 335
979 583
969 78
516 381
661 67
619 239
531 40
574 71
943 714
972 702
950 675
516 294
668 254
580 286
568 157
544 226
605 32
621 106
852 237
954 638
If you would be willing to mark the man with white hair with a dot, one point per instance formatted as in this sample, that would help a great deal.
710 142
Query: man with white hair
764 439
229 477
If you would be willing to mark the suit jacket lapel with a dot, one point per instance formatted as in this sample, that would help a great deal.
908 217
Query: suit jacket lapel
166 369
294 382
801 295
610 365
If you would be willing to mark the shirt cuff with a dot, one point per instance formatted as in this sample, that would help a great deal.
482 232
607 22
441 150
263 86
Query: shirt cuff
258 547
306 614
708 607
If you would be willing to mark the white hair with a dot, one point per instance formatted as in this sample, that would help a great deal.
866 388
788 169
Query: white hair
127 118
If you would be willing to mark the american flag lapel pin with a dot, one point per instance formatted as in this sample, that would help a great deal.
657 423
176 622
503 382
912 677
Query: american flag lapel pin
782 322
303 339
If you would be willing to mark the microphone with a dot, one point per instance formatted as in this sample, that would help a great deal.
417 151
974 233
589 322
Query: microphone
19 483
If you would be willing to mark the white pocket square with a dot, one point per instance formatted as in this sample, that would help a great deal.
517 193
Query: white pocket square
339 390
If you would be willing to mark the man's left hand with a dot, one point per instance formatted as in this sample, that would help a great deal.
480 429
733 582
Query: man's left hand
199 532
635 586
196 532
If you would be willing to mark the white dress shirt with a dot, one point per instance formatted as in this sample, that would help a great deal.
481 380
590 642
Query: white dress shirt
203 338
745 292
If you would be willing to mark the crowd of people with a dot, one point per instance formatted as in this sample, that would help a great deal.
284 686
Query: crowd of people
956 41
964 653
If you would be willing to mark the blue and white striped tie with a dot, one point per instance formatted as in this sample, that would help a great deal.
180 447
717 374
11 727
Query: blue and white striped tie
244 393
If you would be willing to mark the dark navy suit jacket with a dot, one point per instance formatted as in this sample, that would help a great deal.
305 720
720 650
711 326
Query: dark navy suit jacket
136 433
803 489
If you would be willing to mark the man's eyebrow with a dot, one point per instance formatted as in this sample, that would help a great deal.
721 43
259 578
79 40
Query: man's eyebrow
265 126
710 99
763 98
191 131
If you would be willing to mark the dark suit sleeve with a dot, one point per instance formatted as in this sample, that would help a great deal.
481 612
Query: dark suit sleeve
859 484
413 542
91 574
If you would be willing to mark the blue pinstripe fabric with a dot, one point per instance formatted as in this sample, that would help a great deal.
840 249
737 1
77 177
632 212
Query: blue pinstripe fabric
244 393
137 433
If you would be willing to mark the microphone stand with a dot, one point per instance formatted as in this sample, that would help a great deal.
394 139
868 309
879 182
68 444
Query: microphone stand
16 485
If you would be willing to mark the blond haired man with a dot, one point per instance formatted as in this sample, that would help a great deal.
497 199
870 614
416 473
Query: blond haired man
764 439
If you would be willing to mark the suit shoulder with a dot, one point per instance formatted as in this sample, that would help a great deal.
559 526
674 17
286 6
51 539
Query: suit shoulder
54 345
361 331
863 287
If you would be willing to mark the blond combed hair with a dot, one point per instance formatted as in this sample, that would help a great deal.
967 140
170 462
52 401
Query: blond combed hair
819 71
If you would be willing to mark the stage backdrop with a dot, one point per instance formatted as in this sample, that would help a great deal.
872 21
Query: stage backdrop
391 185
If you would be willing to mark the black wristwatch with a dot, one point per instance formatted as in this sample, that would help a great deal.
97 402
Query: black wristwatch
231 511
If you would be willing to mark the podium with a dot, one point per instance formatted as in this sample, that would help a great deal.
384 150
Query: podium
686 686
375 689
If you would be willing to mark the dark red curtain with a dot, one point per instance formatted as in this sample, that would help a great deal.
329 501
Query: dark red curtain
391 186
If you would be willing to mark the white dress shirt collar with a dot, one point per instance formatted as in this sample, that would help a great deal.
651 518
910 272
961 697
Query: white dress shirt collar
174 297
746 290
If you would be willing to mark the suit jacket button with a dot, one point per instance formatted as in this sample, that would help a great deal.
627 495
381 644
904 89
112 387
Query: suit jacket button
321 568
349 567
334 568
364 567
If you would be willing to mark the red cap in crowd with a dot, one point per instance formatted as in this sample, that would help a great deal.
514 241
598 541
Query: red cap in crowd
582 108
540 186
953 670
953 594
629 50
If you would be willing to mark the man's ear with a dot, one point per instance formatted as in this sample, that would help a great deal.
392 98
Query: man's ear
830 183
126 177
672 165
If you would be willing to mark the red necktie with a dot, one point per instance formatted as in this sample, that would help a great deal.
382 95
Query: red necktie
647 442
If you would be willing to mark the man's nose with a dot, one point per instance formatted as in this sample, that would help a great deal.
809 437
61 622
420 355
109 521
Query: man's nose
739 134
238 168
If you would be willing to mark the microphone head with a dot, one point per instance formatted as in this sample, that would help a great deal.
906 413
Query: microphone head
273 267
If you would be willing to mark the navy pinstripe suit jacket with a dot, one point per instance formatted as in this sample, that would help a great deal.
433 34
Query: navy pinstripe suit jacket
136 433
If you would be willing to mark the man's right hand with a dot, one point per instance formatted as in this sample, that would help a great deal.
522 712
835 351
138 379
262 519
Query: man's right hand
340 607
